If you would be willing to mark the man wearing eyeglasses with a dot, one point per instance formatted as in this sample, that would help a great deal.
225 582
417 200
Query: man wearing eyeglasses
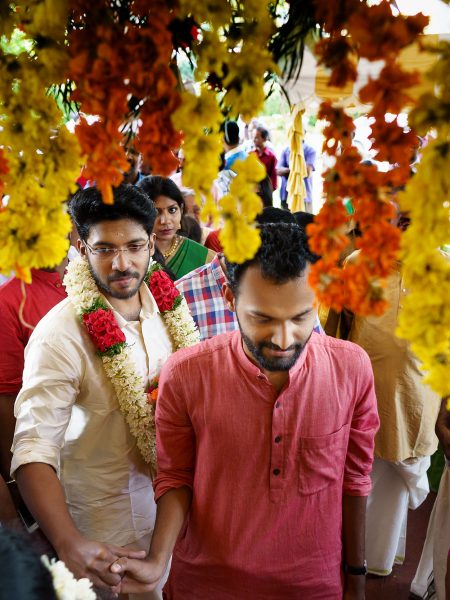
75 460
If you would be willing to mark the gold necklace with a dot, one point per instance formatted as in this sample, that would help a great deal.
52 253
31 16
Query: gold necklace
173 247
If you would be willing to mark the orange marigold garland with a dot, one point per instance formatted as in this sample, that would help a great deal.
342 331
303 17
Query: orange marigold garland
372 32
121 70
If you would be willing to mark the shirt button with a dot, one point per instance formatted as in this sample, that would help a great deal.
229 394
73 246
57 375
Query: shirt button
278 439
58 285
276 471
277 405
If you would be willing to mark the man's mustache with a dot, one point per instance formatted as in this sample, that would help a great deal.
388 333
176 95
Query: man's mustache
121 274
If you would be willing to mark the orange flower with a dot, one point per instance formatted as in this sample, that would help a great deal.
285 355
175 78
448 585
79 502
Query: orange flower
379 33
387 93
393 143
339 130
327 280
326 236
337 54
333 15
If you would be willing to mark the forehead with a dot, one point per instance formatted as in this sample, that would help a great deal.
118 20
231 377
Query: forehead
165 202
279 300
116 232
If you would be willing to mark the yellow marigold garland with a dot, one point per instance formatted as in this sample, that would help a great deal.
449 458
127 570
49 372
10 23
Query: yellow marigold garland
425 316
234 65
43 158
239 236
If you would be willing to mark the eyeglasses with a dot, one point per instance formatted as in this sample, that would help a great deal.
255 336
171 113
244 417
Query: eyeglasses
105 253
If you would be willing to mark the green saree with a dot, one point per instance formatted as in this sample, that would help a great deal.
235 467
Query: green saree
188 257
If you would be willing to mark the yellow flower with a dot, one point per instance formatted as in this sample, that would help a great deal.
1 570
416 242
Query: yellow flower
239 240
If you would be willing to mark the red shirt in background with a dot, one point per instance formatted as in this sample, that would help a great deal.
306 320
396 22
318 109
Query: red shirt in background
42 294
267 470
269 160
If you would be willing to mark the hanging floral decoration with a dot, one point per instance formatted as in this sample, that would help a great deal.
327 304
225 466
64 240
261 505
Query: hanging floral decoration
114 65
239 236
136 399
120 67
425 316
357 30
232 60
42 156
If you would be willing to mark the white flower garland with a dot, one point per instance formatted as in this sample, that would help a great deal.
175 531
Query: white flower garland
65 585
128 385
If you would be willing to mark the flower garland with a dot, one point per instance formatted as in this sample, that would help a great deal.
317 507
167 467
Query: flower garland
239 236
65 585
43 158
121 70
371 32
136 403
232 69
425 316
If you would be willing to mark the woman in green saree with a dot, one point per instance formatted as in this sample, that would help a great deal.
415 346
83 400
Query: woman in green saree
181 254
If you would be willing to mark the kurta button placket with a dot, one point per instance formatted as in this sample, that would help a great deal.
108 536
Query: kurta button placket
277 449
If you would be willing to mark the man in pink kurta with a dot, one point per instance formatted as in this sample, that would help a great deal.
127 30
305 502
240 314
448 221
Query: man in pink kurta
265 438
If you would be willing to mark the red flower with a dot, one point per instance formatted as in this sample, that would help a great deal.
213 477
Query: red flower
103 329
163 290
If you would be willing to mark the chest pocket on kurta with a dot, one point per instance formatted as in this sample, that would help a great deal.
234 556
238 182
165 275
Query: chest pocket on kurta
321 460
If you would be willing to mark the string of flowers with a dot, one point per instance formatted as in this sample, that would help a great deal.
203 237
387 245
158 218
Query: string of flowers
64 583
121 71
425 316
232 68
239 236
43 158
137 401
371 32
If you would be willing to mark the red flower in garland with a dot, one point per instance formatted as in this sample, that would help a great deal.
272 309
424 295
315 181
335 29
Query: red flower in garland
163 290
103 329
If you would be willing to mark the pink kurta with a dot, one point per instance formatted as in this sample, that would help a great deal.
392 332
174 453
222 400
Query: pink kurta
267 471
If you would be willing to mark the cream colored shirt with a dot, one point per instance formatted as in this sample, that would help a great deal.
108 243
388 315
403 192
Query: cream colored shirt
407 407
68 417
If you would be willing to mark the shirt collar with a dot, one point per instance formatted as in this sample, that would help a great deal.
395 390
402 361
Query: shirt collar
233 151
265 151
149 307
49 276
217 271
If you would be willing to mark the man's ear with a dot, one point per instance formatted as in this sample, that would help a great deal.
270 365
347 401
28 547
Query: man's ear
229 296
81 248
152 238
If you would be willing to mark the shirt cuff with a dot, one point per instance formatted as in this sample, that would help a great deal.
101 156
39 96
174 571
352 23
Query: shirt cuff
38 454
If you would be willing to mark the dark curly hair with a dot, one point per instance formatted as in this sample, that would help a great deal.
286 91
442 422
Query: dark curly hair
283 255
87 208
22 573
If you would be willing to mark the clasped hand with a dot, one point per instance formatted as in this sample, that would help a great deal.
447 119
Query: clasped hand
91 559
138 576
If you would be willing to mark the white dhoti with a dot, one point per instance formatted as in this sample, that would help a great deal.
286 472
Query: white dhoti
396 487
433 562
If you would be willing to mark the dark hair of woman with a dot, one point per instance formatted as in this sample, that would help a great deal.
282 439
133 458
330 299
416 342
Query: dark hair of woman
265 191
156 185
192 229
22 574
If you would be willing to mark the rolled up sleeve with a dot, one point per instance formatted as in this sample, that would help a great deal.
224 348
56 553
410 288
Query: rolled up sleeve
44 405
364 425
175 436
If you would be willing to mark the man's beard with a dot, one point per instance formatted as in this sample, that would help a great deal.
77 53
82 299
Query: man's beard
276 363
104 286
